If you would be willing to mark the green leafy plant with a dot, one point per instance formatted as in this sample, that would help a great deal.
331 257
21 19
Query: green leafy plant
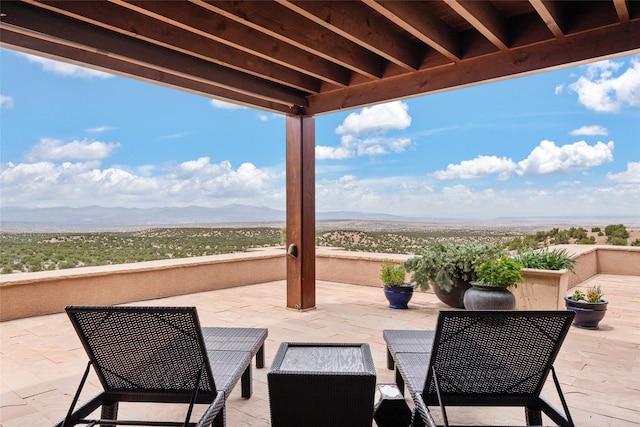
577 295
392 275
501 272
445 263
545 259
594 295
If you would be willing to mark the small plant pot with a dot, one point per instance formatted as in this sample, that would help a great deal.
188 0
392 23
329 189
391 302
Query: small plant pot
398 296
588 314
483 297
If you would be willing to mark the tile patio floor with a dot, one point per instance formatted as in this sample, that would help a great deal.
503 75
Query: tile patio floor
42 361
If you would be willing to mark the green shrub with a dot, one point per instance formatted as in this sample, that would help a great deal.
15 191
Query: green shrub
616 230
501 272
617 241
545 259
392 275
562 238
444 263
587 241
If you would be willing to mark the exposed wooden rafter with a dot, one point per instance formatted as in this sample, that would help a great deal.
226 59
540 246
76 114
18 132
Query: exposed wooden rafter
314 57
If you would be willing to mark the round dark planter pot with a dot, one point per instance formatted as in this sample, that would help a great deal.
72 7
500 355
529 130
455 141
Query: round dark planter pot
482 297
588 314
454 298
398 296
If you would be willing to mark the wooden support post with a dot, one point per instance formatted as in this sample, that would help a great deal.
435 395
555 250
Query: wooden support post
301 213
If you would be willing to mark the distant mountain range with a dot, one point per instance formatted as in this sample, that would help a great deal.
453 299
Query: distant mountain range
96 217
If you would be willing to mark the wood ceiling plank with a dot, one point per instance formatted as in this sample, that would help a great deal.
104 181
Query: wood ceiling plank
550 12
528 29
584 16
418 22
623 10
453 55
286 25
354 22
125 21
61 30
194 18
485 18
584 47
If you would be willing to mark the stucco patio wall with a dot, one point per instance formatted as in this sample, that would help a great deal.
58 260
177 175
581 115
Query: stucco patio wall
33 294
357 268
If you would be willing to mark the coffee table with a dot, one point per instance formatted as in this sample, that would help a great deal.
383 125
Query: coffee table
322 384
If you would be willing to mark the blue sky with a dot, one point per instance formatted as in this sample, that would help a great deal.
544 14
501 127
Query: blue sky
561 143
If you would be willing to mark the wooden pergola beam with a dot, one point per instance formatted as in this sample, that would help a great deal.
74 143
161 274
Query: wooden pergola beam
301 213
500 65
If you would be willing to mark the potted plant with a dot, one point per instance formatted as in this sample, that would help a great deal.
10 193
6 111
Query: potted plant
490 290
545 259
450 267
397 292
589 307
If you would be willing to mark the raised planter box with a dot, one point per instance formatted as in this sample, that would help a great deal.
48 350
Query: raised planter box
542 289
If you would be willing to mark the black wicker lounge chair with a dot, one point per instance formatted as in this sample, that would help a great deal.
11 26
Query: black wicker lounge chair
159 354
482 358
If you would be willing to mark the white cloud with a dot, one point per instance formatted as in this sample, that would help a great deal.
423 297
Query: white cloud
547 158
394 194
601 90
364 133
203 183
559 89
399 145
219 180
53 149
6 101
197 182
413 197
630 176
174 136
479 167
99 129
590 131
146 170
391 115
334 153
65 69
223 105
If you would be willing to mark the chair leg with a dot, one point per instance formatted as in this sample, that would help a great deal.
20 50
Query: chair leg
109 412
417 420
390 362
400 382
260 357
219 420
246 384
533 416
